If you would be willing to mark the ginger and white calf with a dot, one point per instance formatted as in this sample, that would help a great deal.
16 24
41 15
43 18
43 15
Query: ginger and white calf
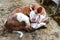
17 20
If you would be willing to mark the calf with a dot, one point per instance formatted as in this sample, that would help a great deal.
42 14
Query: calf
13 22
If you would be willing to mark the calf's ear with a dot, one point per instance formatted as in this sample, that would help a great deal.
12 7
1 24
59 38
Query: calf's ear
39 10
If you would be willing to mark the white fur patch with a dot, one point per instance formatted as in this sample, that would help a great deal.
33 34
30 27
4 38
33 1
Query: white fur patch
21 17
40 20
21 34
36 25
32 15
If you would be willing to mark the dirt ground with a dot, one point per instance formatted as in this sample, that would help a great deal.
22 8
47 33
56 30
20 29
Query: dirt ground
52 32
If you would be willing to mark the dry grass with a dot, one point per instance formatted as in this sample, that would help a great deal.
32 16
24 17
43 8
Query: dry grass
51 33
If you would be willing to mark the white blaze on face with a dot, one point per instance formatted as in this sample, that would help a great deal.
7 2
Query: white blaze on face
32 14
21 17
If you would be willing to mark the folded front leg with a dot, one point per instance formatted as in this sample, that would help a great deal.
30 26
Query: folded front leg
37 25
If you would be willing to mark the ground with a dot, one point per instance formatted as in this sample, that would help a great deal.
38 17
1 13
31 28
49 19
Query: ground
7 6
